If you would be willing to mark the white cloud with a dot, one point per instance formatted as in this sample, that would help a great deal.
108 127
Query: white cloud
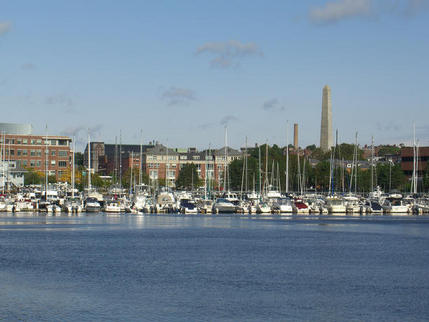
229 53
4 27
416 6
178 96
28 66
334 11
272 105
60 99
228 119
80 133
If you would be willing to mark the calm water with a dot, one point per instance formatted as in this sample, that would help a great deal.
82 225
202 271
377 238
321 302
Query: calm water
227 268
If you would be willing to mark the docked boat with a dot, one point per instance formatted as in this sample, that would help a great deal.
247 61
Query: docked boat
223 205
282 205
335 204
263 208
92 205
187 206
300 207
353 205
73 206
113 206
394 205
372 207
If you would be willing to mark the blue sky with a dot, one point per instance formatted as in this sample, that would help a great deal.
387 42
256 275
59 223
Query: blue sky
179 71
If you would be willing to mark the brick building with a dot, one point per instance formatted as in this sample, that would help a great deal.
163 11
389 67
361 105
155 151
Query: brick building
407 160
157 162
29 152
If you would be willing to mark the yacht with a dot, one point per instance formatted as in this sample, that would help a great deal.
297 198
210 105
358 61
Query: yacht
300 207
394 205
113 206
92 205
372 206
335 204
223 205
187 206
282 205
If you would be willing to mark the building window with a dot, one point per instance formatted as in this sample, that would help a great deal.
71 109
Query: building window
52 162
32 163
24 152
38 163
12 152
63 153
53 153
171 174
39 141
153 174
18 141
39 152
62 164
24 163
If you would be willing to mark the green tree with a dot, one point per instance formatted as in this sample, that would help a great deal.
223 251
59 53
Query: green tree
188 177
388 149
33 177
78 159
126 177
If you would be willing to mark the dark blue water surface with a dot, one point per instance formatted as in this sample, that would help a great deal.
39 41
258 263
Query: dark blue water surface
213 268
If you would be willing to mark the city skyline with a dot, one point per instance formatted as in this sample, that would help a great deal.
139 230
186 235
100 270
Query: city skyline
174 70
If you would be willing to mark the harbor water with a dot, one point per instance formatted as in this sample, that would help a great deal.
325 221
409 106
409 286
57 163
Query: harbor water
213 268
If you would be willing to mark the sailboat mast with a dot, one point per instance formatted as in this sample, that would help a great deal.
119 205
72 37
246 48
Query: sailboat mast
357 164
141 159
266 168
259 169
225 167
131 172
46 163
89 163
73 174
372 163
120 159
245 158
287 157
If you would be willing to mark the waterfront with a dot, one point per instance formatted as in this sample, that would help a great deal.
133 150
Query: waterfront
174 267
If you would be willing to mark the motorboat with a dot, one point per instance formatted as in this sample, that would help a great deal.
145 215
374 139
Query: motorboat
372 206
335 204
263 208
223 205
187 206
300 207
113 206
92 205
395 205
282 205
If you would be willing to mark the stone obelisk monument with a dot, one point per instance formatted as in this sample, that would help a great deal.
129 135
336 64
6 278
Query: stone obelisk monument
326 141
